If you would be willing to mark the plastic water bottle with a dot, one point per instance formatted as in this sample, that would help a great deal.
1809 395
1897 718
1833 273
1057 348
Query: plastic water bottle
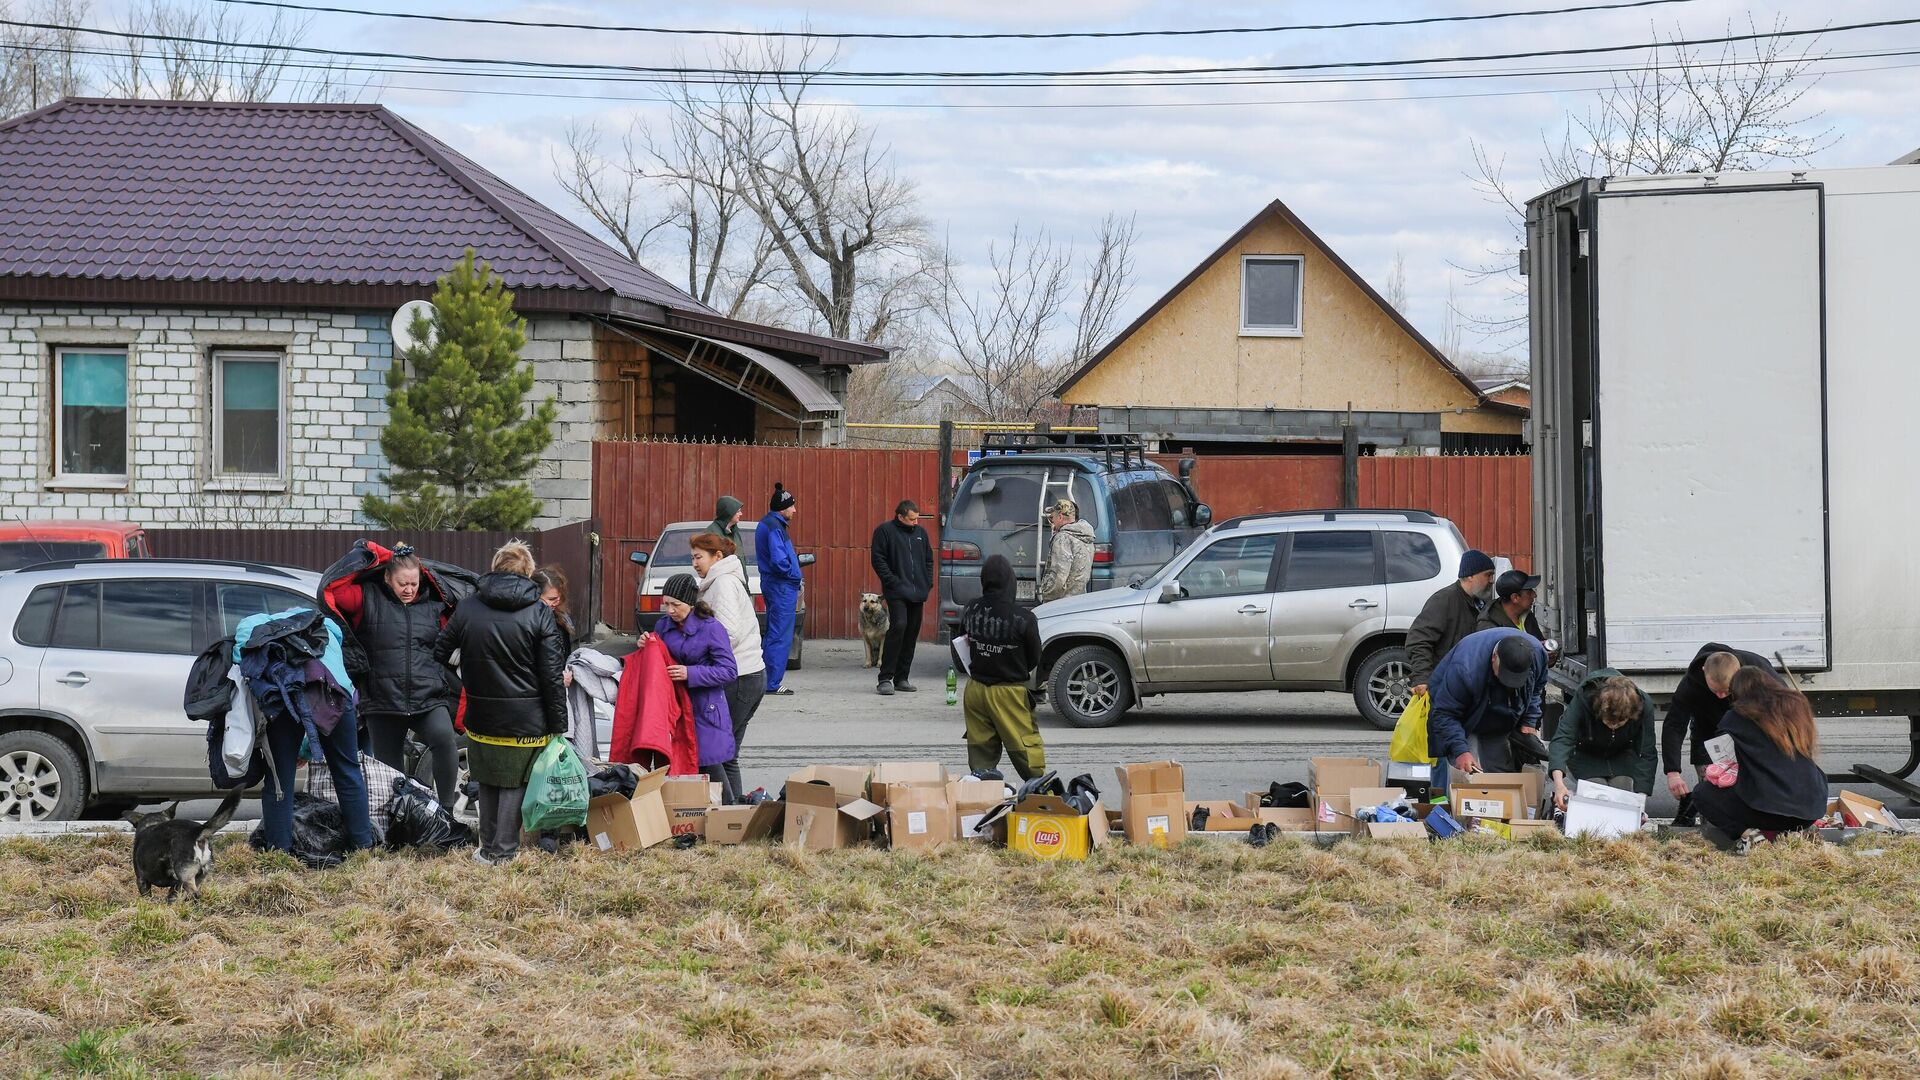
953 687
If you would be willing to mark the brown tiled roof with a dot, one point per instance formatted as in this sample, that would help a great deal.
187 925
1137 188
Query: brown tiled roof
168 191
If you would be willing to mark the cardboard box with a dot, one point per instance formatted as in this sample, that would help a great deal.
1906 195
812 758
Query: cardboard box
971 800
1860 812
919 816
1361 798
615 823
827 808
1493 803
908 773
1529 827
1047 827
1394 830
688 798
1154 811
1599 810
1526 786
1222 816
1335 776
1332 813
742 824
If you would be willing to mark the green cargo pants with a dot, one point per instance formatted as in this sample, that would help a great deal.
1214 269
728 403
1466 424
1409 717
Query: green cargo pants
1001 716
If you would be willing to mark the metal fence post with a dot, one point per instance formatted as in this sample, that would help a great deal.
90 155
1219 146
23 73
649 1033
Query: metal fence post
1349 462
946 469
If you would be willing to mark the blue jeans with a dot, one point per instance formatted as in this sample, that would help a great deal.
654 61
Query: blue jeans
342 751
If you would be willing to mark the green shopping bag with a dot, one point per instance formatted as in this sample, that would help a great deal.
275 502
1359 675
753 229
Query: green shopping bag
556 789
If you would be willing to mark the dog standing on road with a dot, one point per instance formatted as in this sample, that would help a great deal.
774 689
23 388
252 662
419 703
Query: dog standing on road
873 625
175 855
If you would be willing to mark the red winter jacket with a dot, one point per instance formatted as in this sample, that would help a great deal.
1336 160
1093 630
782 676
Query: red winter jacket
652 715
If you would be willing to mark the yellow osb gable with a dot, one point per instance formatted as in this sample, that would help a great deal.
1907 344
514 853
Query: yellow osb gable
1191 353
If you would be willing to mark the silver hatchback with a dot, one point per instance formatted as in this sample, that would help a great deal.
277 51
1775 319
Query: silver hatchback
1303 600
94 656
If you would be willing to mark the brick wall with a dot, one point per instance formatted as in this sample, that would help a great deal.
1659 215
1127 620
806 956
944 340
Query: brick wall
335 391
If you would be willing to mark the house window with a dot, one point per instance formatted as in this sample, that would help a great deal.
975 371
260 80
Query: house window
90 413
1270 295
247 429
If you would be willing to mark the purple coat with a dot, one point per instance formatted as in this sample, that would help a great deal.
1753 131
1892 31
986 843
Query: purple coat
701 645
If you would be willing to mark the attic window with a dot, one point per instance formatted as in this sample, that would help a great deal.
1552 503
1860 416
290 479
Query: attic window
1270 295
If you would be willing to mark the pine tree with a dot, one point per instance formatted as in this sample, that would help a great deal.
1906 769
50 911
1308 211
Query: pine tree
459 440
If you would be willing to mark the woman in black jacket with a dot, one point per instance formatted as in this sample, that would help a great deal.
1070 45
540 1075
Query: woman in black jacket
511 659
1780 786
397 611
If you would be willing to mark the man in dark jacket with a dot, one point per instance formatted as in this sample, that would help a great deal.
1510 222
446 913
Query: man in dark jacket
903 560
1000 651
726 519
1448 617
1487 688
1512 606
1696 707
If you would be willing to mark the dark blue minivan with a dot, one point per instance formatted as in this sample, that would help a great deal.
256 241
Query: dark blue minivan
1140 513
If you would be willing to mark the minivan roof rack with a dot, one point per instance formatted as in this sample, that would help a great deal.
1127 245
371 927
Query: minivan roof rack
68 564
1421 517
1126 448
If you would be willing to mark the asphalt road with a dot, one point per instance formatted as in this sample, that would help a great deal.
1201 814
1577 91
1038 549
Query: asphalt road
1229 743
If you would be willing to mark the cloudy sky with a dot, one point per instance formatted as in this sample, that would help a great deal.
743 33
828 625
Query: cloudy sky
1376 168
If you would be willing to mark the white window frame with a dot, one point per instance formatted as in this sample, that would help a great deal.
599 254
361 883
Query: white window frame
273 481
1299 297
95 481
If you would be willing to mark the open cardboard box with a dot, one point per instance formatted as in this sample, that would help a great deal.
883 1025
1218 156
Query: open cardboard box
1361 798
688 798
1332 813
617 823
1859 812
1154 806
972 800
1289 818
917 798
1393 830
1331 777
827 808
1048 827
742 824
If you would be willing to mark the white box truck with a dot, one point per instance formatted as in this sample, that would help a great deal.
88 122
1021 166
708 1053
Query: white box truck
1726 427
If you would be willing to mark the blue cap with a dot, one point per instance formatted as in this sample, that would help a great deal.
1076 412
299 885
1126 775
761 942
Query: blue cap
1474 562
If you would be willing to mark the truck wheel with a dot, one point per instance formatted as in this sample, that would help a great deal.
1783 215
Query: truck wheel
40 778
1382 686
1089 687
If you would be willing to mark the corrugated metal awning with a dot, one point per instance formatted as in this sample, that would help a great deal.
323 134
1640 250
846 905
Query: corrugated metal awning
767 379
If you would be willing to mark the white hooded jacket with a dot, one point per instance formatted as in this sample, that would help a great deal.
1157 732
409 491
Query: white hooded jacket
724 588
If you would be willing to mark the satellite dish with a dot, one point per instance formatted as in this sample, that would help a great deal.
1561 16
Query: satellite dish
403 338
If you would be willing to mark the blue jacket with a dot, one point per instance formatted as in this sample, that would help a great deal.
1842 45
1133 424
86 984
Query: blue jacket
774 550
1468 698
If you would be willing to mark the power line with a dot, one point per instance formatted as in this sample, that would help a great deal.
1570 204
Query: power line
474 20
681 70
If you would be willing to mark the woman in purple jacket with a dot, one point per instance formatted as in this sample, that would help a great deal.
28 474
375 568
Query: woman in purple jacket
703 659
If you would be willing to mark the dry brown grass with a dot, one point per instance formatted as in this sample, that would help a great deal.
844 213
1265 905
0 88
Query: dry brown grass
1472 959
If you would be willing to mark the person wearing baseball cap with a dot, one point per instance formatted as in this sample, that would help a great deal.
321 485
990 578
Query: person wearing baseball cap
1487 688
1449 616
1069 553
1512 606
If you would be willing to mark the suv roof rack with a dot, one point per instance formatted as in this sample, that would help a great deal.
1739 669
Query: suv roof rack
1126 448
1421 517
68 564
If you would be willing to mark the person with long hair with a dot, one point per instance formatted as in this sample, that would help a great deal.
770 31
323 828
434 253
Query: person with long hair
553 593
723 585
1778 784
1606 736
512 660
703 660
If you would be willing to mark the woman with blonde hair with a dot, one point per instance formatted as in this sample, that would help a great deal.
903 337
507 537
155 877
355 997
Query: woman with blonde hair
1777 783
512 659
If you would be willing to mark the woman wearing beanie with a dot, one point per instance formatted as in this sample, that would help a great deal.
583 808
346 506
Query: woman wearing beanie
723 585
703 660
779 584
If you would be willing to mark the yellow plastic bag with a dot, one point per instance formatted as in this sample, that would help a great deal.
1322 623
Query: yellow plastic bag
1409 745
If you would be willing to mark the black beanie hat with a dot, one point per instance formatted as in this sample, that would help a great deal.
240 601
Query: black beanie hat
682 587
782 498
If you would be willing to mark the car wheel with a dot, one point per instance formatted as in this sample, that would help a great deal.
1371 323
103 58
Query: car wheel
1383 685
41 779
1089 687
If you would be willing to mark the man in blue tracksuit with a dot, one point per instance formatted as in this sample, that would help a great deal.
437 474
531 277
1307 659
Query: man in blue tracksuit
1483 691
779 585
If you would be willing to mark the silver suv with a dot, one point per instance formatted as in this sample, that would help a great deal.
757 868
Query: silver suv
94 656
1301 600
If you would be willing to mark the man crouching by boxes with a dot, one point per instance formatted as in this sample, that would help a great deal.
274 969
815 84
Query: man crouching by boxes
999 648
1484 691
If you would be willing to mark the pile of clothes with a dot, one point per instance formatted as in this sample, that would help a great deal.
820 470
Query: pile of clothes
294 665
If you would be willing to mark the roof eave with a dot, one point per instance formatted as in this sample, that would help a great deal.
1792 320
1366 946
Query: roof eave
158 292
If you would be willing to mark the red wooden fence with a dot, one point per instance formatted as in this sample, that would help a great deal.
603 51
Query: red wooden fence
1490 498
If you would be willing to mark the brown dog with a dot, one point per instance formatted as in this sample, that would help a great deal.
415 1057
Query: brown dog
873 625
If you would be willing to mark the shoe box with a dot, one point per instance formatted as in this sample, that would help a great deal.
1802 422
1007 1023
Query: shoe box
1153 808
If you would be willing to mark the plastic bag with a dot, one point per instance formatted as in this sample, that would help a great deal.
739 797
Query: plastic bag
556 789
416 819
319 833
1409 745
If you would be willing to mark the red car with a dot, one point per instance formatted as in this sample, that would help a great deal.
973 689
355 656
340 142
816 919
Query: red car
23 543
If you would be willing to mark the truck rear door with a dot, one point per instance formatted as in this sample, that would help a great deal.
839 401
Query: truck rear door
1708 431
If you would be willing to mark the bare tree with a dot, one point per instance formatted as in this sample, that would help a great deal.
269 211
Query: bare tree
230 57
1685 111
38 66
1106 285
1396 291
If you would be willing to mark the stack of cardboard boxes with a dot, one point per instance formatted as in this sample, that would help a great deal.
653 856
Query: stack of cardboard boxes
1507 803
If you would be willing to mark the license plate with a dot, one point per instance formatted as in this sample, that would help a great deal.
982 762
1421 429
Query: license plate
1026 590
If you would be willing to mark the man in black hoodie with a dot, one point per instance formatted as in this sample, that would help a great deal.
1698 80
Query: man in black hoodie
903 561
1001 650
1697 706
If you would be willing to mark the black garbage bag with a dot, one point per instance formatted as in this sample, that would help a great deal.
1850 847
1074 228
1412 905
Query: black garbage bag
319 833
416 819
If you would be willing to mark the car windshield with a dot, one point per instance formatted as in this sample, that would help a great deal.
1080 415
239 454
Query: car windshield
672 551
15 554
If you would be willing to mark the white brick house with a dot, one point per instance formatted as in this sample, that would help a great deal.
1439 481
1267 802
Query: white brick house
175 350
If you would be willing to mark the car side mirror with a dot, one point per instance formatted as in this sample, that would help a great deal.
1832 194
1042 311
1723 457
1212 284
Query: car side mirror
1169 591
806 560
1202 515
638 558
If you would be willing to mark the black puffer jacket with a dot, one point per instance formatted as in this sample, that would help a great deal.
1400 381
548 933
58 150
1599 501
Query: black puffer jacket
398 639
511 659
